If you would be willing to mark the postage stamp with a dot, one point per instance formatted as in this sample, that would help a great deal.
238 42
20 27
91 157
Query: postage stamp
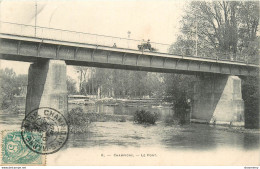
15 152
44 130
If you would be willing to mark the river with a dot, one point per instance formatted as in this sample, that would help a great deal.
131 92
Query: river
128 136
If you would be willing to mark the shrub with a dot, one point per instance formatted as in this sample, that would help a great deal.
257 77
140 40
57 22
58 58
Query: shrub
145 117
77 117
78 120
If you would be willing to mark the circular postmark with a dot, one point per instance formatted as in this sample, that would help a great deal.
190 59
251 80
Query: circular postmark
45 130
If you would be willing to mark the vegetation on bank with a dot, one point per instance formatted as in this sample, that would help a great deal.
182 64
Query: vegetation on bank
179 90
79 120
10 85
250 95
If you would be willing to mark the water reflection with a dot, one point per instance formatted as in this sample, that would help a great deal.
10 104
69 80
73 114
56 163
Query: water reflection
128 134
9 121
250 141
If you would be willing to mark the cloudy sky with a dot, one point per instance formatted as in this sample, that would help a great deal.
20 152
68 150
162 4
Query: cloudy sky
153 19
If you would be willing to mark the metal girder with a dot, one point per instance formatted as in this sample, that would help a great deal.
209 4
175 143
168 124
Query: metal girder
108 54
57 51
76 52
137 59
230 69
18 47
38 49
189 65
93 52
151 60
164 60
210 66
177 63
220 68
123 59
200 64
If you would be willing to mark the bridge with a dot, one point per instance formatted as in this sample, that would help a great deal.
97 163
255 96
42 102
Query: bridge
217 93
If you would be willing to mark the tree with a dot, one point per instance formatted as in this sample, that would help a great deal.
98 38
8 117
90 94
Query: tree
104 80
250 94
124 83
224 29
82 78
154 84
179 88
71 86
11 85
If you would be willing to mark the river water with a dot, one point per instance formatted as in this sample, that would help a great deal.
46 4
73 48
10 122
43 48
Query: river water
128 137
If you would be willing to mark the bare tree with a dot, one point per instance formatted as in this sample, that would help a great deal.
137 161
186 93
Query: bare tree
82 77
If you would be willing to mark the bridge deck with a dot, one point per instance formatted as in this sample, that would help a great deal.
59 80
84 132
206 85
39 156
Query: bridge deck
31 49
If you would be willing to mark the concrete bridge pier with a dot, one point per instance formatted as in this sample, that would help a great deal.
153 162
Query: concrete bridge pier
47 86
218 100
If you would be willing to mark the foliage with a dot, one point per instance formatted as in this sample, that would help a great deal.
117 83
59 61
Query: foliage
77 120
11 85
224 29
71 86
77 117
178 89
125 83
145 117
250 94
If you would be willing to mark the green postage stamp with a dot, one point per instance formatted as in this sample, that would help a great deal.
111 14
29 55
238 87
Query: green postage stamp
15 152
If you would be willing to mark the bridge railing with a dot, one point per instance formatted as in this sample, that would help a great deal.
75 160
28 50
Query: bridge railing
104 40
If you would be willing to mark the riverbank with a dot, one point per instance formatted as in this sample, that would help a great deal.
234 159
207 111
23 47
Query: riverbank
237 129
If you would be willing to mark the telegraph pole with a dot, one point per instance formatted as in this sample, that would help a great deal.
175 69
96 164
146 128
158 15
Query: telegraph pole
92 86
129 33
196 36
35 17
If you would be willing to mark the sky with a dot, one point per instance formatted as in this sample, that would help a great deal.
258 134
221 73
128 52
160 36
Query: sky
145 19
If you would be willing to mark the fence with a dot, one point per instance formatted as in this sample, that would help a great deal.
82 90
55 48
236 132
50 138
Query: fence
104 40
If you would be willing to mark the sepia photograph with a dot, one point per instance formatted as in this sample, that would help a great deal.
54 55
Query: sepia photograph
129 83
